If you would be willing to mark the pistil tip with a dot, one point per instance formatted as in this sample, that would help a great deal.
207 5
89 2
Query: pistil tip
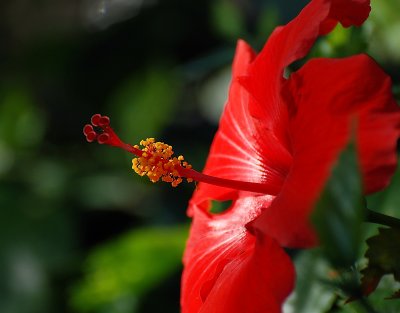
99 130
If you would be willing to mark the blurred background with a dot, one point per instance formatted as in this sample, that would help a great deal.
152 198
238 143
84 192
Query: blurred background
79 231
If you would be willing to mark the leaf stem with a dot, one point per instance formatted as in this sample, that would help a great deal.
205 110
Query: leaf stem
379 218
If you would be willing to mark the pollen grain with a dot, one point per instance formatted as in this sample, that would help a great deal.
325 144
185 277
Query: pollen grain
157 162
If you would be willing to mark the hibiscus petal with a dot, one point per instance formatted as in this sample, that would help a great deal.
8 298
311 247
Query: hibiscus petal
378 136
288 44
228 269
328 96
258 150
243 149
348 13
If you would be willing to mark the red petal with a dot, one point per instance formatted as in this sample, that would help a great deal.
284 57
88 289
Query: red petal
348 13
228 269
288 44
242 148
378 135
327 96
258 150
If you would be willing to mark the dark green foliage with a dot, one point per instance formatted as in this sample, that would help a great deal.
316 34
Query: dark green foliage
339 213
383 256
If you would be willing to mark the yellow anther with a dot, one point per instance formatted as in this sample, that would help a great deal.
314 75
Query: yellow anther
157 162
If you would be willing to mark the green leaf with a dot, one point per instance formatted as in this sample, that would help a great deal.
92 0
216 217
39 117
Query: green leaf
383 30
383 256
387 201
311 294
127 268
339 212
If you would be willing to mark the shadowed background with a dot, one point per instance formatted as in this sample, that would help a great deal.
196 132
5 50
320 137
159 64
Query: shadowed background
79 231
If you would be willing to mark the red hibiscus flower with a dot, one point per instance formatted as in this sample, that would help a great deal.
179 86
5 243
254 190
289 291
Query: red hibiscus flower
277 142
284 134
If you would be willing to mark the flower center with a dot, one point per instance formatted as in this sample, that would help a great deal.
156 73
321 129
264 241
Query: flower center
156 161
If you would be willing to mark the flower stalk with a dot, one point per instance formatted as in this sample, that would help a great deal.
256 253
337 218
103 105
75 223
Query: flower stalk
382 219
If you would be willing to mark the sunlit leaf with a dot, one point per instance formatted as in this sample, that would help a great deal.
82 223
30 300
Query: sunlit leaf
383 30
128 268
